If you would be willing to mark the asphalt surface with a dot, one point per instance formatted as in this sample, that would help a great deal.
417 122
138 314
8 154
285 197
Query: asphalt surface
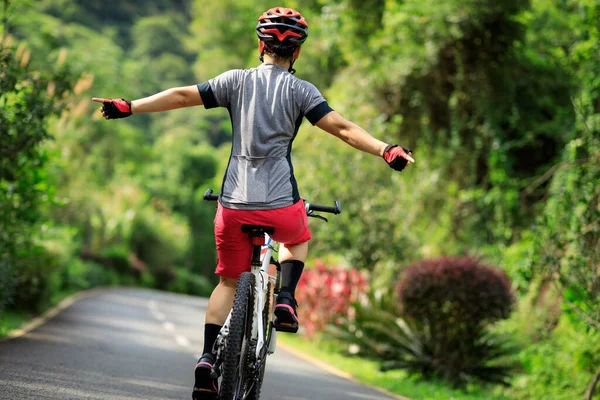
140 344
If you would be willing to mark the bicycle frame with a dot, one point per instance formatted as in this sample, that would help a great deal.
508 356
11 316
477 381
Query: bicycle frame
261 282
262 279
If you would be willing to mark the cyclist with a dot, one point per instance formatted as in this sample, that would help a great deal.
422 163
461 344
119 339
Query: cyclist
266 106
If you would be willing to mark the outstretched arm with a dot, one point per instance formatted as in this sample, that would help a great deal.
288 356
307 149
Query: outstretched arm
170 99
355 136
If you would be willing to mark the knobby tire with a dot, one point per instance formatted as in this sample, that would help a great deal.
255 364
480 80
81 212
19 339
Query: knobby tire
238 340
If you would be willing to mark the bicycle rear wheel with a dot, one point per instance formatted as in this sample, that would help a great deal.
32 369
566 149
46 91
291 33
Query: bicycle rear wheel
236 373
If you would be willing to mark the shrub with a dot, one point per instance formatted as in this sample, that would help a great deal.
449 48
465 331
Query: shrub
29 99
36 279
6 283
117 258
187 282
74 274
558 365
374 330
450 303
455 289
325 294
447 305
160 241
81 274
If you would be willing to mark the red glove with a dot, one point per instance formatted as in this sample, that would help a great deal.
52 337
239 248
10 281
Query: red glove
394 156
115 108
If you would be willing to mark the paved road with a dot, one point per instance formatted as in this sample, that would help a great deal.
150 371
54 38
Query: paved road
140 344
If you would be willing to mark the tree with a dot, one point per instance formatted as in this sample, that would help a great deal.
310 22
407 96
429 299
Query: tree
568 240
28 99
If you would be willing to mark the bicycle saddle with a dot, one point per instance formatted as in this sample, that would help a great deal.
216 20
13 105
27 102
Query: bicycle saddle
258 229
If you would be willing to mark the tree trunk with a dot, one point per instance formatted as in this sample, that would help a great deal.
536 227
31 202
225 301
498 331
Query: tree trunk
589 393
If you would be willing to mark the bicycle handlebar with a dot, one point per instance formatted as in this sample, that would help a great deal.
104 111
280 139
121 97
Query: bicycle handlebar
208 196
337 209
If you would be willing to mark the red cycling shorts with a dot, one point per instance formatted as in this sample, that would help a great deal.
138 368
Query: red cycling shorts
234 249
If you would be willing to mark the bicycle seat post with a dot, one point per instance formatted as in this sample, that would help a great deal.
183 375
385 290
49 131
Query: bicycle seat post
257 236
258 239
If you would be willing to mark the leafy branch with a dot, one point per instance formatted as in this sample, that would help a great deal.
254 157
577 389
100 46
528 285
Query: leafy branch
548 174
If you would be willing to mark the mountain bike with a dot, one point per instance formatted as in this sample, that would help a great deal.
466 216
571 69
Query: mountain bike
249 334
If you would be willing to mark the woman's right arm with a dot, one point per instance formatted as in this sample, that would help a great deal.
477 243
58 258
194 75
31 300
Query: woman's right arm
170 99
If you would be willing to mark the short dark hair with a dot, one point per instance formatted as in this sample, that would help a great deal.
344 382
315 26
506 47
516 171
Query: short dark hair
279 52
278 57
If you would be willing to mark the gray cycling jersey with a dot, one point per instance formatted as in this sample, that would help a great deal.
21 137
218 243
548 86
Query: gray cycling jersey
266 106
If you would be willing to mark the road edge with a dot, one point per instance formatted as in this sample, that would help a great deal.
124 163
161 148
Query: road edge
335 371
51 313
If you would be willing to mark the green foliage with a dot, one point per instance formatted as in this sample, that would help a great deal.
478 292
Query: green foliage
187 282
36 279
7 283
396 381
180 175
516 260
364 185
378 331
569 245
222 29
28 99
556 367
115 14
81 275
117 258
497 99
159 242
457 81
111 195
202 252
158 55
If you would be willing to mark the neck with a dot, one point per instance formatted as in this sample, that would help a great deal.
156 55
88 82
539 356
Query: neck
279 61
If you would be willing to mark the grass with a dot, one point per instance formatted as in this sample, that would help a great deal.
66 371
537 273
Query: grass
12 320
397 382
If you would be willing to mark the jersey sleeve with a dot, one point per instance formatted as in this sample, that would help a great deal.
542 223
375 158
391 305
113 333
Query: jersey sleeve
312 103
217 91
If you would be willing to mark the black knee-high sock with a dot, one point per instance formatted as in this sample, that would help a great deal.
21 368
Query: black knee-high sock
211 331
291 270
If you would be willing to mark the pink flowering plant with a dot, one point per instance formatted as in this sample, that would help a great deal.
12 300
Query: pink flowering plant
325 295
